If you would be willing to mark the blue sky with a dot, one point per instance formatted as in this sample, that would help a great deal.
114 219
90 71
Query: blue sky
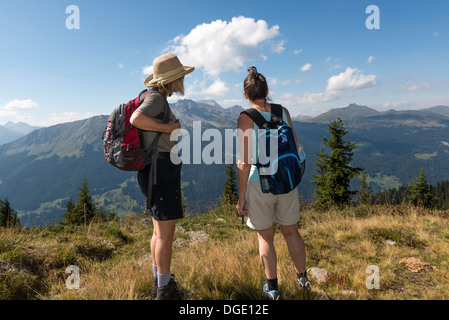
317 55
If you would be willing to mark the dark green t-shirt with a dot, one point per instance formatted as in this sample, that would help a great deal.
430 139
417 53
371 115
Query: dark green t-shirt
154 107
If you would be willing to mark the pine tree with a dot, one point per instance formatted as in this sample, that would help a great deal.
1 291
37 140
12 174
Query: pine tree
365 193
5 213
230 194
441 195
2 216
421 193
333 171
8 216
75 212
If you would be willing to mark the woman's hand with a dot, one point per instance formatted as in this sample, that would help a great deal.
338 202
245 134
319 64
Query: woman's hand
143 122
172 125
242 207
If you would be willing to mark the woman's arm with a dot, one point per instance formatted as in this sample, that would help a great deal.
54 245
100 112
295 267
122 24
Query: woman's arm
144 122
290 123
245 128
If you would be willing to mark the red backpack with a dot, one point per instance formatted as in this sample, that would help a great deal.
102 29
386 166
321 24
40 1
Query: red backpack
123 143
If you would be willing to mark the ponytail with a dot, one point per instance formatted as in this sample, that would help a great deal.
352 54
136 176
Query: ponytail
255 85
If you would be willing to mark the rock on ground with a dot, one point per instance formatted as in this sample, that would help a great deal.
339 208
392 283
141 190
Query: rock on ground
318 274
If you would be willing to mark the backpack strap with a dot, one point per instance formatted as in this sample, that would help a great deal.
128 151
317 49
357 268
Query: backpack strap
276 112
259 120
255 115
154 153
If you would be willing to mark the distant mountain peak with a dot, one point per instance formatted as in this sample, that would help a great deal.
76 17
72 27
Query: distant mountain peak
236 109
210 102
14 130
441 110
346 113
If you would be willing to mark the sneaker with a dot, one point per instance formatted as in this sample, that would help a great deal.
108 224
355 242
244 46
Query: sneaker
153 292
271 294
170 291
304 285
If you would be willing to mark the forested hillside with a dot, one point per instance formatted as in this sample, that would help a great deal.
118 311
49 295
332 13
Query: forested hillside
40 172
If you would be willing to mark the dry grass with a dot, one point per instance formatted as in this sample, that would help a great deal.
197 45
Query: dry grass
115 262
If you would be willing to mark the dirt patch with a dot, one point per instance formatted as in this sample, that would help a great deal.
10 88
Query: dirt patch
415 265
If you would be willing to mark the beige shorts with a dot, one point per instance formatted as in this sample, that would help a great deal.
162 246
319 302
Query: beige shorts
264 208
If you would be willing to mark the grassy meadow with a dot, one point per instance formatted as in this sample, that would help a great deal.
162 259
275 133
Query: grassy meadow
216 257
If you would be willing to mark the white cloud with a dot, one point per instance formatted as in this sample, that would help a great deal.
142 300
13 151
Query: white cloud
351 78
273 81
396 105
147 70
337 86
15 110
371 59
306 67
121 65
218 88
278 47
298 51
226 103
19 105
57 118
330 59
411 86
222 46
204 90
425 85
277 82
436 34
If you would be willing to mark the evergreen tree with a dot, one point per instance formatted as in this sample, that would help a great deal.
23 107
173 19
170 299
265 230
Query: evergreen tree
441 195
8 217
333 171
421 193
365 193
5 213
70 205
230 194
75 212
2 215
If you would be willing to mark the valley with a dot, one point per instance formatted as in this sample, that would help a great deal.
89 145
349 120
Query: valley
41 171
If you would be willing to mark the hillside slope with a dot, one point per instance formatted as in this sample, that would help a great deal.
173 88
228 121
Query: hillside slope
215 257
40 172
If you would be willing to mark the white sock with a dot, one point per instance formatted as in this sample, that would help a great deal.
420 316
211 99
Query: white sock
163 279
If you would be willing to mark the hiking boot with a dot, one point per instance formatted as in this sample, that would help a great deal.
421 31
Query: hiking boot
153 292
170 291
304 285
271 294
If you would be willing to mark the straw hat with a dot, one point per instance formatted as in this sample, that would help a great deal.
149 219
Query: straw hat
166 68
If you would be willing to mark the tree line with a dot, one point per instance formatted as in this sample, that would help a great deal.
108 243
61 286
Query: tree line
84 211
419 193
332 179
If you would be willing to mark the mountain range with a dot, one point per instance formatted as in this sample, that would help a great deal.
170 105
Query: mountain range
41 171
12 131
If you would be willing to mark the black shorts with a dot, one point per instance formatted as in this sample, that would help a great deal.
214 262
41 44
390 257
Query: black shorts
166 200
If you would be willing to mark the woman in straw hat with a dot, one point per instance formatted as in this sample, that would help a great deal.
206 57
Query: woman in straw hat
166 205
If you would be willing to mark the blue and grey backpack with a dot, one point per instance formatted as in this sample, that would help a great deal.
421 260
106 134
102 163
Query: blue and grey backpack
282 171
